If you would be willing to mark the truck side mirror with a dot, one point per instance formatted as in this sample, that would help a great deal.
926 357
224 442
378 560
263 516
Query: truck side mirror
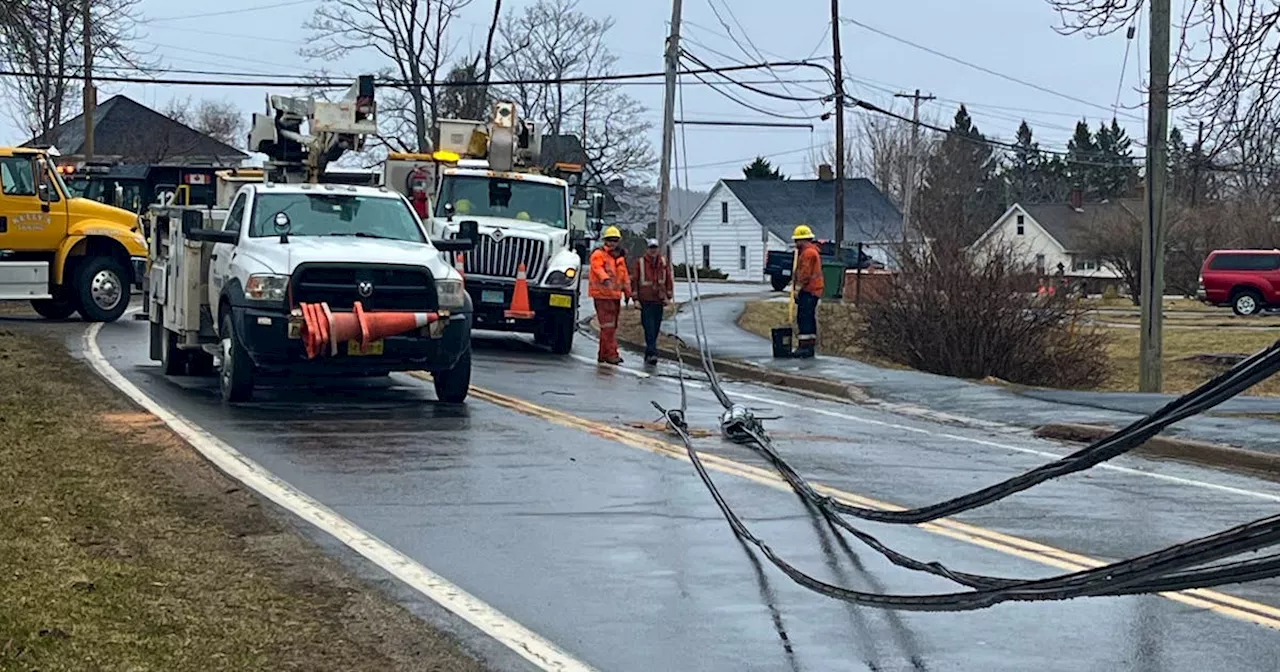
597 206
469 230
448 211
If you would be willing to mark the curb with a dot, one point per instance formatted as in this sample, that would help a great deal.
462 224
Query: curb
1185 450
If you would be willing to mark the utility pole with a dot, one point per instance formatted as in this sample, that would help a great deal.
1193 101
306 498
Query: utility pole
1151 338
90 95
912 169
835 48
669 130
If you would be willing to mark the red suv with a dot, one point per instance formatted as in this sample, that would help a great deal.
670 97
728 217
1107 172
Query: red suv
1246 280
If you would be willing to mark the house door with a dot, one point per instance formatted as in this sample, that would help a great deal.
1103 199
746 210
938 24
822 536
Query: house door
706 257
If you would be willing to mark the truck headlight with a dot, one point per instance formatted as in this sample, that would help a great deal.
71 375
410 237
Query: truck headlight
563 278
267 287
451 294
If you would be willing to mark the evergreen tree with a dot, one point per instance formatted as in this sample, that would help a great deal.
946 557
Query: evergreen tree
1117 175
762 169
1181 167
963 193
1082 160
1022 174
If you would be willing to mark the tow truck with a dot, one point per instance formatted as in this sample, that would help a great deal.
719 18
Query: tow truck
62 253
302 277
524 220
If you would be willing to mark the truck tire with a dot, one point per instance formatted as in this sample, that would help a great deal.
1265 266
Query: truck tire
1246 302
452 385
556 334
102 289
173 360
235 379
779 282
53 309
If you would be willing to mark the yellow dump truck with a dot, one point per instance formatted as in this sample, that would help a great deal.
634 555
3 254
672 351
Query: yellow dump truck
64 254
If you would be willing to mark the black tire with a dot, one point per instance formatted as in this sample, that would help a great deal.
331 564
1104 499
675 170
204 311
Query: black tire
173 360
200 363
235 379
102 289
1246 302
779 282
557 334
452 385
53 309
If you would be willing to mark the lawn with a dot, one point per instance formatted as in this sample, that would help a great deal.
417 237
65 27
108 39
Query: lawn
121 549
838 322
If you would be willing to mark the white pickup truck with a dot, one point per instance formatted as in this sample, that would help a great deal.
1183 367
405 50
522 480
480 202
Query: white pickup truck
235 290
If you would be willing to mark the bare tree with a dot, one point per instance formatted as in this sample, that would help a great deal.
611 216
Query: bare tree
44 40
554 40
879 149
412 36
217 119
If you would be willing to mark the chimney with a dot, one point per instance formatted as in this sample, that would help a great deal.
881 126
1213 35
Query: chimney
1077 199
824 172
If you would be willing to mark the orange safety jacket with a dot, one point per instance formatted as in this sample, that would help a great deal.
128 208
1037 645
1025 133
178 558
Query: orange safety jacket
624 276
809 271
605 281
652 281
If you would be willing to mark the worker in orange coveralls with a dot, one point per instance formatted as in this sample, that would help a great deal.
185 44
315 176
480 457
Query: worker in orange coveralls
808 288
606 289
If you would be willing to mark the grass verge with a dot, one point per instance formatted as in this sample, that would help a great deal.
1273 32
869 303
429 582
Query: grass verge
837 323
121 549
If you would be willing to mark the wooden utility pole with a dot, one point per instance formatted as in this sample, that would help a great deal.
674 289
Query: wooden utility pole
910 191
839 75
669 130
90 95
1151 338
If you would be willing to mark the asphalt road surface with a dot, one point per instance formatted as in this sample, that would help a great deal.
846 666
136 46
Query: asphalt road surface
549 497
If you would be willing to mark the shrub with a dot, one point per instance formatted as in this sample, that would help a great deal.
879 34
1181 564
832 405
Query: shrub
969 315
682 271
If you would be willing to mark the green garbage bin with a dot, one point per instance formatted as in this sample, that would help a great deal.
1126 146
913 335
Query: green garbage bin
832 279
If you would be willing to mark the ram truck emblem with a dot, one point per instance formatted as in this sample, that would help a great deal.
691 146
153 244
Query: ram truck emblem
365 288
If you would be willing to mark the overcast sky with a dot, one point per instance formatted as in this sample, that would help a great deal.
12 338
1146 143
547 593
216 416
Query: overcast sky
1066 77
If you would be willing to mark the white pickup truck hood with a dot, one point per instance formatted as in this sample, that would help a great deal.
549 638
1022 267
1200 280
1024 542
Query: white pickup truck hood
283 258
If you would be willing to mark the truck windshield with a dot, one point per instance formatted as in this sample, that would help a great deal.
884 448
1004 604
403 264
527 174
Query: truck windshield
500 197
327 214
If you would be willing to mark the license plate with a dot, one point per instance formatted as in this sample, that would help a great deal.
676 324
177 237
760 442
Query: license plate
561 301
492 296
374 348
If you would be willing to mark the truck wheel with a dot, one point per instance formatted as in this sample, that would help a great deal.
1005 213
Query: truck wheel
53 309
453 385
235 380
1246 302
779 282
173 360
559 336
101 289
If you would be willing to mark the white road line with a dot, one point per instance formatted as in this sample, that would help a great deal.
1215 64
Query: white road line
436 588
1266 496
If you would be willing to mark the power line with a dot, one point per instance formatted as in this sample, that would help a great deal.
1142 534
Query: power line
185 17
980 68
763 92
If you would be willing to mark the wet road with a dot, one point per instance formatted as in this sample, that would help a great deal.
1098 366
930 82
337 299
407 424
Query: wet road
547 497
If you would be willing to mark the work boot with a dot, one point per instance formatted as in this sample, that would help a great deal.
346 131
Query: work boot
805 352
607 360
651 360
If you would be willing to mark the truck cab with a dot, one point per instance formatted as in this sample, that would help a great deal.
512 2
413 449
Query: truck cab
62 253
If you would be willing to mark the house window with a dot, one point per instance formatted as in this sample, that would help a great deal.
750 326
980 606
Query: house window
742 257
1039 264
724 212
1021 221
1078 264
706 257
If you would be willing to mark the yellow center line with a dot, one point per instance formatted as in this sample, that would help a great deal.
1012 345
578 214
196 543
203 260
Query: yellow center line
1220 603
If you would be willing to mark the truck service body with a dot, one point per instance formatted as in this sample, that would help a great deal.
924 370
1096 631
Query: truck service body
62 253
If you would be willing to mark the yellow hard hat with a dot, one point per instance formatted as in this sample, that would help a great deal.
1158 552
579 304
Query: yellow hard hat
462 207
522 215
802 232
612 232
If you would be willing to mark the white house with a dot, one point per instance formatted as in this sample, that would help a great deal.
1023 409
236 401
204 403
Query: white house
741 220
1046 235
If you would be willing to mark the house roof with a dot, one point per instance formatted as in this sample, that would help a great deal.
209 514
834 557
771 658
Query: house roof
781 205
135 133
1068 226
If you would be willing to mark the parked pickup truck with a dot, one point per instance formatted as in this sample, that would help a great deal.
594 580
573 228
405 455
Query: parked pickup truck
308 280
778 263
1246 280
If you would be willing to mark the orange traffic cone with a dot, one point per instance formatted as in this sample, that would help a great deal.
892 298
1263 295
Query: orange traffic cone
374 326
520 309
460 265
343 327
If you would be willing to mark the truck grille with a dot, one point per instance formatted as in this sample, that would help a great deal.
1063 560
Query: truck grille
393 287
502 258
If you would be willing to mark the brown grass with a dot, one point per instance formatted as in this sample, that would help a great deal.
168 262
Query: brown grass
1179 344
121 549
